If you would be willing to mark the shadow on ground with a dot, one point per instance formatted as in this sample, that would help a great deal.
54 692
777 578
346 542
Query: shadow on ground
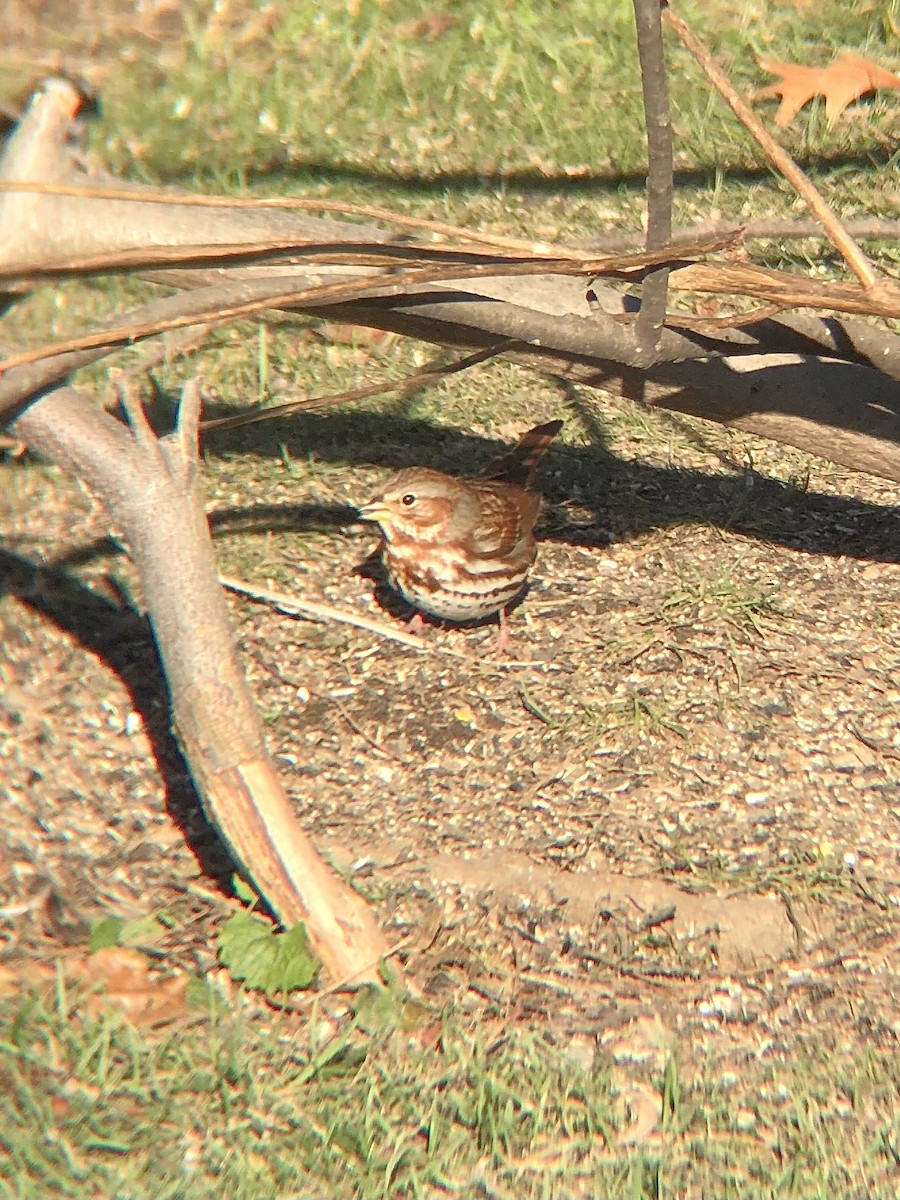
122 639
626 499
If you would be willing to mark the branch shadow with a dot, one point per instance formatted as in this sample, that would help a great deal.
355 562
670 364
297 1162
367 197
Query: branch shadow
530 180
618 499
122 639
626 498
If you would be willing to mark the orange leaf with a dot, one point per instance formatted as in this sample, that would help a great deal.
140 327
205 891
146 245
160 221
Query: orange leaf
127 983
119 977
848 78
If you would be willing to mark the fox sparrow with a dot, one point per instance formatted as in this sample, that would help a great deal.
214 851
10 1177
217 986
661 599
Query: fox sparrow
461 549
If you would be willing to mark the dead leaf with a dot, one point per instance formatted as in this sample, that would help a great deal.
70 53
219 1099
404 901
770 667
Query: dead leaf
428 28
845 80
124 981
119 977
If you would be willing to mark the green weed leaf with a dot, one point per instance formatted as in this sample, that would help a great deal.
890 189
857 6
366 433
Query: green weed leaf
271 962
105 933
114 931
243 890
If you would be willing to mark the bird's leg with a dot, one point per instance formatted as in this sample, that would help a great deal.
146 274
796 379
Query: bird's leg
503 636
416 624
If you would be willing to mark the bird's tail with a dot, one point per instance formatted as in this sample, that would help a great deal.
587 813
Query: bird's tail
518 466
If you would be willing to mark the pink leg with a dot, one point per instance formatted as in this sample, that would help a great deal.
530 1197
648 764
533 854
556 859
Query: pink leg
503 635
416 624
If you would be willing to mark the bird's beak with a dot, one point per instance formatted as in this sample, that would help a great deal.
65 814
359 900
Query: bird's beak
373 512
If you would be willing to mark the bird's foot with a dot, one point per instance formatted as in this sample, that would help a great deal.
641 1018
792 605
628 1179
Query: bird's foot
416 624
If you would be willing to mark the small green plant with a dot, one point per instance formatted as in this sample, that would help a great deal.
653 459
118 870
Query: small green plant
260 957
635 713
139 931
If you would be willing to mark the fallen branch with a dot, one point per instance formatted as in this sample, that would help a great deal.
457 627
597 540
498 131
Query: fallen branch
151 490
316 611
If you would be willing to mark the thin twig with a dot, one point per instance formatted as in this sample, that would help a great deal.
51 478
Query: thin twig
680 320
430 374
732 278
132 406
385 751
660 184
305 204
297 606
879 745
768 228
280 250
781 160
187 428
316 611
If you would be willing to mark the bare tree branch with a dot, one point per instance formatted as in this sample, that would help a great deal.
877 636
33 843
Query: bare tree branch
171 201
847 412
431 374
601 349
654 289
874 283
352 287
765 228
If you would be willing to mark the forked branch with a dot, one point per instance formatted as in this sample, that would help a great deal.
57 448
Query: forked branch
151 490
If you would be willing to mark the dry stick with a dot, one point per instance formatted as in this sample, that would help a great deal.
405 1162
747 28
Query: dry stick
616 266
781 160
280 202
711 325
151 490
286 251
314 610
766 227
779 287
864 228
298 606
654 289
430 374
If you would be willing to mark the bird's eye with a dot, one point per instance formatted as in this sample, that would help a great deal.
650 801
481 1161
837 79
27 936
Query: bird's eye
408 500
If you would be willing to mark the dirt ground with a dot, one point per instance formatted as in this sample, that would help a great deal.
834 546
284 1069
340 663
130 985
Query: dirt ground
678 799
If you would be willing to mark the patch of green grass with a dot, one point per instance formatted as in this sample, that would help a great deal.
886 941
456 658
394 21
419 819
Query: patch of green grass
721 599
815 875
371 91
636 714
242 1107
